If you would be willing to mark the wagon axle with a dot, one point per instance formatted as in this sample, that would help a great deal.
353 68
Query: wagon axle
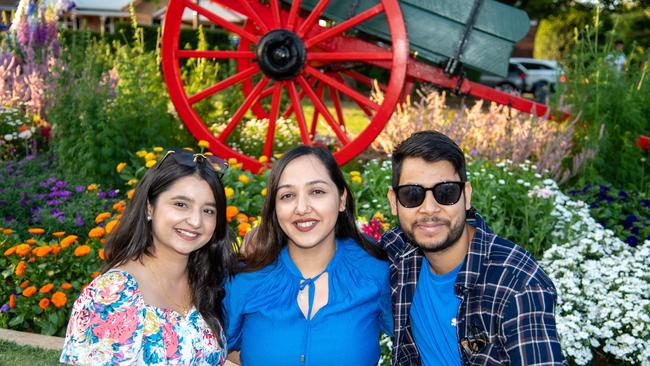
281 54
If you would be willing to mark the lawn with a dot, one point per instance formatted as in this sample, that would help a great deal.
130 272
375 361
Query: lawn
13 354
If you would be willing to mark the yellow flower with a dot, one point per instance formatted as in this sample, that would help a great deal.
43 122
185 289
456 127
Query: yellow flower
120 167
102 216
263 193
355 173
232 161
157 149
204 144
150 163
229 192
357 179
244 178
141 153
132 181
130 193
151 323
92 187
263 159
150 156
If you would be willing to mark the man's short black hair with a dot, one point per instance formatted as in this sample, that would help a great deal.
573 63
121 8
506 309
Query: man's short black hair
431 146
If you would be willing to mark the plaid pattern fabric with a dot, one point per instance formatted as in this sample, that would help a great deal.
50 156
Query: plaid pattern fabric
506 314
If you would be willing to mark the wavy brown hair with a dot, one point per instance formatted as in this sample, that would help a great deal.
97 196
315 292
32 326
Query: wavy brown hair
269 238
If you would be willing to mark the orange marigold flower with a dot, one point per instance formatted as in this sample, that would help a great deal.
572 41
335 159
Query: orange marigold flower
243 228
7 231
20 268
119 206
44 303
101 254
10 251
97 232
110 226
35 230
102 216
31 290
241 217
59 299
130 193
66 285
231 211
12 301
24 284
120 167
81 250
47 288
55 249
94 274
92 187
58 234
23 250
42 251
30 241
68 240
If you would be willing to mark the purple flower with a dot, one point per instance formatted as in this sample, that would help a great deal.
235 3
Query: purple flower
632 241
24 202
101 195
65 194
52 202
4 308
622 195
43 184
112 193
52 195
60 218
645 203
473 152
54 188
41 196
78 220
79 189
61 184
3 202
629 221
56 212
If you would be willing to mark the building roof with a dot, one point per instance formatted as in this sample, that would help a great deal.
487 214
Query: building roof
216 9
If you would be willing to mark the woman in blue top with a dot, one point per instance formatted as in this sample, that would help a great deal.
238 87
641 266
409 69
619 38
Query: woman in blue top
312 291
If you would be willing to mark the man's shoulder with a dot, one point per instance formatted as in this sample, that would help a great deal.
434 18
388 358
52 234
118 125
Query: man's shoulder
507 262
393 242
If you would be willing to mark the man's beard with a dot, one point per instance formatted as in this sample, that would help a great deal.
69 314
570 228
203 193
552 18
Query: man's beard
455 232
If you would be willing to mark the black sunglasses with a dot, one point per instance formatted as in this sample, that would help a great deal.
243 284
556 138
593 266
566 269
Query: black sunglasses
188 158
445 193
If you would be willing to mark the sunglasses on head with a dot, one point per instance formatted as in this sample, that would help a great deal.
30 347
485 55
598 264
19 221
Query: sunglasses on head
445 193
190 159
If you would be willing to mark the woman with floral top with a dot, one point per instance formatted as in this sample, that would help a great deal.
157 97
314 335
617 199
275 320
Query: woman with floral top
159 298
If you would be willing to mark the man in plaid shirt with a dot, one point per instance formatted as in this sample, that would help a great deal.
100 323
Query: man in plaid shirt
461 294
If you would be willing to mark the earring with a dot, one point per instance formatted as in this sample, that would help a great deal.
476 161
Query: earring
148 218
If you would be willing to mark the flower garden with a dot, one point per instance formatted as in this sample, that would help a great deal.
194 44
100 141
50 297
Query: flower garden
574 193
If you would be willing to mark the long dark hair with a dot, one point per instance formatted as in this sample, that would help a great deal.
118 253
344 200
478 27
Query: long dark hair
208 267
269 238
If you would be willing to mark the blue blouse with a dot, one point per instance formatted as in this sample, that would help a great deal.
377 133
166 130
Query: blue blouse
265 322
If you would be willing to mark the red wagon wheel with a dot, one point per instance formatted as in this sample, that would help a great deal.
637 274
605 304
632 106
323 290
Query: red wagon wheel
285 51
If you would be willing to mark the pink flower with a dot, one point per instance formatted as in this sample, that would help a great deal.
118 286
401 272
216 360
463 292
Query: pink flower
119 326
171 340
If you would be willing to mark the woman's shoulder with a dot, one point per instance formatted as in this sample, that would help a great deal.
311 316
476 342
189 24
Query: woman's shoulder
355 256
115 287
244 281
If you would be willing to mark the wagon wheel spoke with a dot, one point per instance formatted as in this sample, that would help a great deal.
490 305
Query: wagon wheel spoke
363 107
225 83
312 18
315 115
293 14
222 22
275 109
364 79
275 10
250 55
318 104
255 16
301 95
345 56
342 27
337 106
300 116
341 87
236 118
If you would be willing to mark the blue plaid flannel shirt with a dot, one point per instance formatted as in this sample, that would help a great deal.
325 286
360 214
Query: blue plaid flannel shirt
506 313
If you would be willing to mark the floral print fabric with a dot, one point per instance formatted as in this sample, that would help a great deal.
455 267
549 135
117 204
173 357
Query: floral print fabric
111 325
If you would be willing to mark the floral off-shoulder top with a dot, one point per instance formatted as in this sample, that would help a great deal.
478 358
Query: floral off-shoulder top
112 325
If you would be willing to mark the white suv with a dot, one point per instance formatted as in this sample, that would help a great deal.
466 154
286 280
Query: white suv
540 74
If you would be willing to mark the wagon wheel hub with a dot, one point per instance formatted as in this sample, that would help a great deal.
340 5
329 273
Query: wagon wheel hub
281 54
